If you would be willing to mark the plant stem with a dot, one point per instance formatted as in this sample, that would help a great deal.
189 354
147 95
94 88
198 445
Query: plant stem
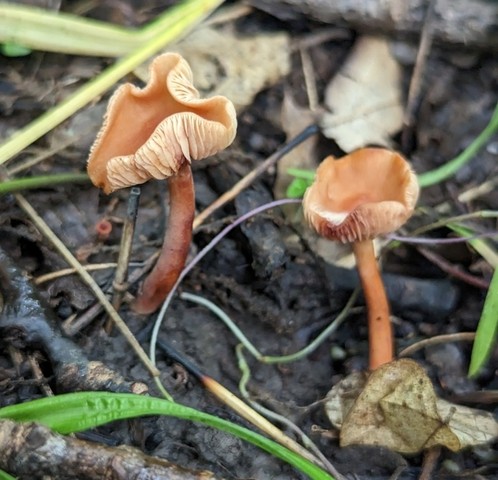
176 243
380 334
269 359
449 169
119 284
41 181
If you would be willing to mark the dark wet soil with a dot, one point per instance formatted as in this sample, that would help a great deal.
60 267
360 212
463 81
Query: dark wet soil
281 296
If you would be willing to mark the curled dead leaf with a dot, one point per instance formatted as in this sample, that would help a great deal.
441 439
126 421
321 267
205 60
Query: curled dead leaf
397 407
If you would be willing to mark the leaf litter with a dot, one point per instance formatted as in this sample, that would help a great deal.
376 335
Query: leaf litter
364 98
443 417
397 407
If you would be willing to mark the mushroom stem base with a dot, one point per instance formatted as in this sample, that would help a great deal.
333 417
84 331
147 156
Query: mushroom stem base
176 243
380 333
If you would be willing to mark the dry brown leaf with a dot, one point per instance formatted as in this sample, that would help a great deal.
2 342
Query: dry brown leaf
238 68
364 98
398 408
470 425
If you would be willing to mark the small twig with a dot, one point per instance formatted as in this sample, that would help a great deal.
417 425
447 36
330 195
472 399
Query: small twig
450 337
72 326
416 82
309 79
75 324
47 277
251 176
62 457
119 284
38 375
453 270
478 191
431 457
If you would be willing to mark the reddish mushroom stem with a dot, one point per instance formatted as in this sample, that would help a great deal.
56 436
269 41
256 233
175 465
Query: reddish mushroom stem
380 333
176 242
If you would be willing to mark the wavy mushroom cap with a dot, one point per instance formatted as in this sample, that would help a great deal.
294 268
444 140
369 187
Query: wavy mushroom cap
369 192
149 132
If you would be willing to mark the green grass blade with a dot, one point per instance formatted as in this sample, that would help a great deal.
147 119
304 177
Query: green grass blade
6 476
447 170
75 412
41 29
487 329
41 181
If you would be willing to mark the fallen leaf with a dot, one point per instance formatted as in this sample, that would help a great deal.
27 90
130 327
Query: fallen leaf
397 407
470 425
237 67
364 98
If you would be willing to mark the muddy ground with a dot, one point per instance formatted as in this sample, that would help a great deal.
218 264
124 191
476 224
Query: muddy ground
279 303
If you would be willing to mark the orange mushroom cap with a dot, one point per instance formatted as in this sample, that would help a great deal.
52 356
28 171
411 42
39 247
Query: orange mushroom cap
149 132
367 193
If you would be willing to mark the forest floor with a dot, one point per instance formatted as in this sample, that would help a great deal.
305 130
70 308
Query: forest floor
280 302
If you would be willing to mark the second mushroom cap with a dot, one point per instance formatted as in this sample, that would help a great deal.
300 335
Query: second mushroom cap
369 192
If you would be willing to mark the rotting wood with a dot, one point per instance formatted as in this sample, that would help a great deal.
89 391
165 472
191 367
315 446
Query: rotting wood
30 450
462 22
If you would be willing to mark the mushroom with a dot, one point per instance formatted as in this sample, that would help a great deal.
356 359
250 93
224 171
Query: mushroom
367 193
155 132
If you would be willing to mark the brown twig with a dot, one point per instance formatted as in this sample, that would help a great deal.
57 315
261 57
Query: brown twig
64 458
119 284
450 337
431 458
38 375
453 270
416 82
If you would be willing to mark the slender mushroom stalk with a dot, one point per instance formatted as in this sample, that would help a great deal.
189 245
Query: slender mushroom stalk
156 132
370 192
171 261
380 335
